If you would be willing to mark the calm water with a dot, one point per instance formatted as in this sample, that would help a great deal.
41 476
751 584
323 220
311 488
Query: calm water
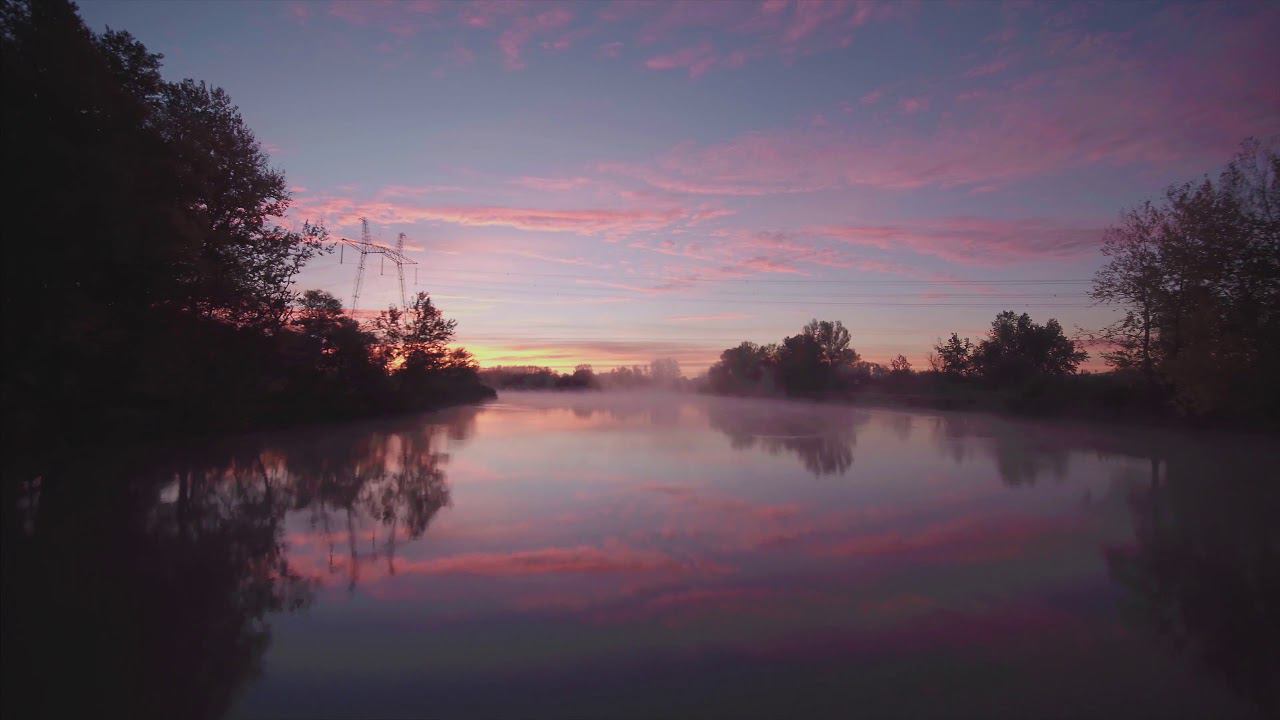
595 555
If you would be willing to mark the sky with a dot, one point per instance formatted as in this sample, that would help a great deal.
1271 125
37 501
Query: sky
613 182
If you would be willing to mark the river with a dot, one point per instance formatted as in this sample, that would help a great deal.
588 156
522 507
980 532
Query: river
652 555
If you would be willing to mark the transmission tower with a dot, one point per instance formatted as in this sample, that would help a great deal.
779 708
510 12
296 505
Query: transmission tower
366 247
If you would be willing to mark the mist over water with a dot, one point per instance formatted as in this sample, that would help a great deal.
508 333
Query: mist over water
642 554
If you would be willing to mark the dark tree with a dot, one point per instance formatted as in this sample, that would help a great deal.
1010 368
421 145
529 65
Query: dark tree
1197 278
743 369
153 286
1017 348
954 357
417 337
900 365
832 339
818 360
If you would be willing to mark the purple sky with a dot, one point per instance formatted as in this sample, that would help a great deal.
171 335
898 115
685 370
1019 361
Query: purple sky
614 182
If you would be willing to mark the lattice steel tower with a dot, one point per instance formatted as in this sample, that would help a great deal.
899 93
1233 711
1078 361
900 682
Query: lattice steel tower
366 247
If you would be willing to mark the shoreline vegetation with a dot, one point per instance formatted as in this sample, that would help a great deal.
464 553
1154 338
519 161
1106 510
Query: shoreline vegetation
153 293
1195 277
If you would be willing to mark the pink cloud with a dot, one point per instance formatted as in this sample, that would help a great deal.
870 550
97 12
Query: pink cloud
1094 99
990 68
913 105
697 60
692 498
582 222
576 560
607 222
576 261
554 184
783 30
741 31
706 318
967 539
974 241
512 41
810 17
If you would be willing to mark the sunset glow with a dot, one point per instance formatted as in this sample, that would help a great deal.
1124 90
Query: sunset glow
574 176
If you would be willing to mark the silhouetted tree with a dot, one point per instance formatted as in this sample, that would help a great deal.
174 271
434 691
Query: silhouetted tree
816 361
417 337
1197 277
1017 348
900 365
583 377
172 302
832 339
743 369
954 357
242 263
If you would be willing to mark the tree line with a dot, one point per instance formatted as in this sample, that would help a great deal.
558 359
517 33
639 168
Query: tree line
662 373
1195 277
150 282
820 361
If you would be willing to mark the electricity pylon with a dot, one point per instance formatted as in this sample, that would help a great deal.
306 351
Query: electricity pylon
366 247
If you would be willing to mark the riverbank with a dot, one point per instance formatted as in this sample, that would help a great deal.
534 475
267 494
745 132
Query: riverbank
1101 397
85 433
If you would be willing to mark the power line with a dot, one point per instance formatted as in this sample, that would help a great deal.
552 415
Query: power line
524 289
726 301
780 281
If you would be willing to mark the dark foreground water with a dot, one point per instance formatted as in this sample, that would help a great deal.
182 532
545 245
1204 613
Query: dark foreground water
596 555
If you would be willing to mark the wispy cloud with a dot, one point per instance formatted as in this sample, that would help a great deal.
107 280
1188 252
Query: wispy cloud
605 222
706 318
973 240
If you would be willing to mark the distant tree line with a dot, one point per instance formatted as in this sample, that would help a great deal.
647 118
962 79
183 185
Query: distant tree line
820 362
661 373
149 283
1195 276
1016 349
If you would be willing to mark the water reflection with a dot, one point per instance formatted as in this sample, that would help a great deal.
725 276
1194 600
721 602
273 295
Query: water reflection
597 555
387 478
1203 570
821 436
1023 452
145 586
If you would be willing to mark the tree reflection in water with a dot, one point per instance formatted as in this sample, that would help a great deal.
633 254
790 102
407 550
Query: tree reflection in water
144 585
822 436
1203 572
1023 453
390 479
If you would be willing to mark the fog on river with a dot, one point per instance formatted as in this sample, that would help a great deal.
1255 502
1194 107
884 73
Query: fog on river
611 554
